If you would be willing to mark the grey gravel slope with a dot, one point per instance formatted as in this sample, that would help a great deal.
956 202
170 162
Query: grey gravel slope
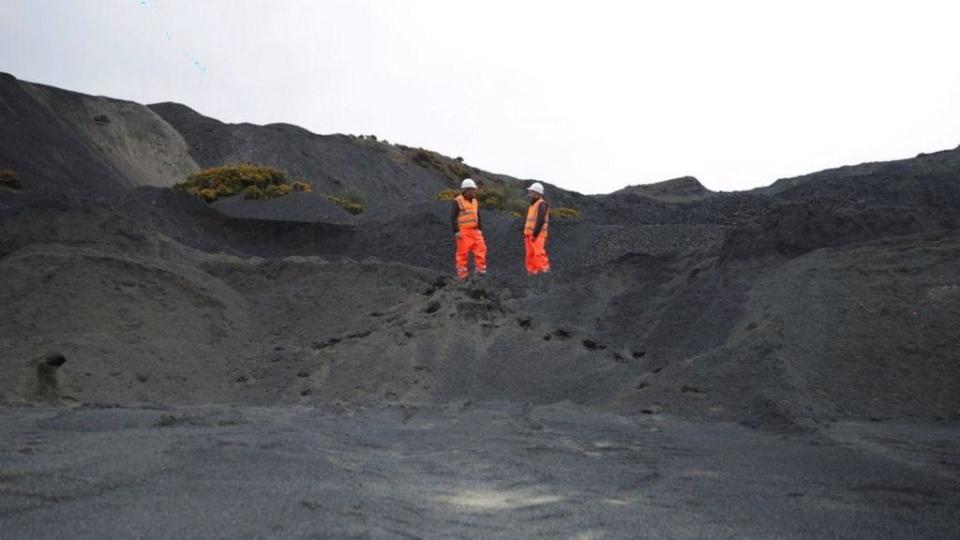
777 363
62 140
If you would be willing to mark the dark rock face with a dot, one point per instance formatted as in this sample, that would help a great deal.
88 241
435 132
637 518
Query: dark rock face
829 296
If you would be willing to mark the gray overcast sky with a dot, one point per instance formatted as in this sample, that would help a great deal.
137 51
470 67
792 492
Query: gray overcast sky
590 95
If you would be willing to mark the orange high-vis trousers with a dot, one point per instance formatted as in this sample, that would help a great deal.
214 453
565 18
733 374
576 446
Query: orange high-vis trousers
471 241
536 259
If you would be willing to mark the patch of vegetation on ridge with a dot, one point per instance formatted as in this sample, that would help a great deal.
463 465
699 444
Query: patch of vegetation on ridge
254 181
451 169
351 200
505 198
565 213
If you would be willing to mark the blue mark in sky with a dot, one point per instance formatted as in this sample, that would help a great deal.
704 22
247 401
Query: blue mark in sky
194 61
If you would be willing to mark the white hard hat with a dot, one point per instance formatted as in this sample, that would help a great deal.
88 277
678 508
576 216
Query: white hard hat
467 183
537 187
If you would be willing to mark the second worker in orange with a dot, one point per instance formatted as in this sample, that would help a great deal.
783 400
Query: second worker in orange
535 232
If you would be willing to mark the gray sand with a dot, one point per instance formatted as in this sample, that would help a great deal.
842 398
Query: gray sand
464 470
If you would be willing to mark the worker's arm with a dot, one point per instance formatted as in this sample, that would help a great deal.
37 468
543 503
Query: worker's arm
454 213
541 218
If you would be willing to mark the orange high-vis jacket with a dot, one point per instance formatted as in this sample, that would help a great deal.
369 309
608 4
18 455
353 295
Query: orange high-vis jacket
469 210
531 224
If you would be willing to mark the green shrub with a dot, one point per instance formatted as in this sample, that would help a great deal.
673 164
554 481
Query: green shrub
452 169
253 192
353 208
458 170
10 180
277 190
350 200
255 181
506 198
303 186
427 160
448 194
564 213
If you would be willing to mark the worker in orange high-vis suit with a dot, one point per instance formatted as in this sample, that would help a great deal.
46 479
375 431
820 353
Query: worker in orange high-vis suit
535 231
467 226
